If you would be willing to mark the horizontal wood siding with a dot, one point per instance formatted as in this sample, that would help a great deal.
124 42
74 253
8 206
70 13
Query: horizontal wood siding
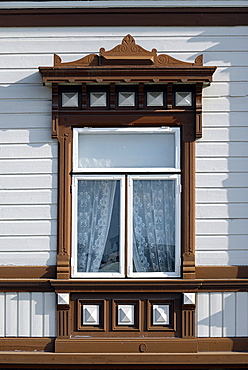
27 314
28 156
222 314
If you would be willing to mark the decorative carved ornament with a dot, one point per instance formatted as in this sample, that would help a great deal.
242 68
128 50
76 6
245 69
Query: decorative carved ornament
127 62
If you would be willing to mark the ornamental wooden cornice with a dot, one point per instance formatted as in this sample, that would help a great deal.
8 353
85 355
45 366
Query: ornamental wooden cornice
127 62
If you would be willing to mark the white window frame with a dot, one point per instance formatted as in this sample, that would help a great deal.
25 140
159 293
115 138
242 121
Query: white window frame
175 273
75 272
97 131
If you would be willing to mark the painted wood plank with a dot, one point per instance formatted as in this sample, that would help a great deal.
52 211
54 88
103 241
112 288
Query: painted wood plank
49 314
28 258
221 242
222 258
25 136
215 322
28 243
25 121
223 119
2 314
24 309
222 227
36 227
230 149
23 91
225 134
42 196
225 104
35 181
215 195
241 314
219 180
37 312
29 151
101 32
24 212
202 315
217 89
24 105
9 166
220 211
238 164
11 314
229 314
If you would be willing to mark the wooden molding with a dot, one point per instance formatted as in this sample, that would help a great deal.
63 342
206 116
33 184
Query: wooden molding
25 272
63 321
27 344
221 272
188 321
133 16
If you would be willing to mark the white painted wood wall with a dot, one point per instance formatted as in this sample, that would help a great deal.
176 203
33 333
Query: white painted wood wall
27 314
222 314
28 165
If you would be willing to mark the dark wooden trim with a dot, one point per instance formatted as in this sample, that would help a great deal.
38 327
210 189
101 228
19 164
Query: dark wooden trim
27 344
188 321
161 16
147 361
221 272
155 286
25 285
222 344
25 272
126 345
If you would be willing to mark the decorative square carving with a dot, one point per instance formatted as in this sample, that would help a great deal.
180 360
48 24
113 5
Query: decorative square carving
189 298
70 100
98 99
183 99
155 99
90 314
161 314
63 298
126 99
125 314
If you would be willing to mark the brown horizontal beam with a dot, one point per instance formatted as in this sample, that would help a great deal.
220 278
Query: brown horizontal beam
32 272
221 272
161 16
27 344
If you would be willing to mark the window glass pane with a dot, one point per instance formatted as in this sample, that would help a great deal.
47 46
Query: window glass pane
126 150
98 228
153 226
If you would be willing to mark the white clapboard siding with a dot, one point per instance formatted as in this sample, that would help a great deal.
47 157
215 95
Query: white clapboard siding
228 195
29 151
23 181
224 89
26 136
42 196
221 242
221 211
28 212
223 119
217 134
222 314
34 227
28 243
23 92
230 164
218 180
25 121
28 314
225 104
28 258
20 106
222 227
222 149
216 257
28 166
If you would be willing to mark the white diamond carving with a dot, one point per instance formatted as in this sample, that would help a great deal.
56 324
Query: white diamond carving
183 99
126 99
98 99
126 314
70 99
161 314
188 298
63 298
91 314
155 99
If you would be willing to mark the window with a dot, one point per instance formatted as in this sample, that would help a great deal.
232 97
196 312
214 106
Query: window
126 202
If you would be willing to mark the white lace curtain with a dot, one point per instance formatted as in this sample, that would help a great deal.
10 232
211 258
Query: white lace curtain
154 225
95 206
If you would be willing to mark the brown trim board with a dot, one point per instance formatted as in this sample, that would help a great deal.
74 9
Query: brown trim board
25 272
221 272
161 16
27 344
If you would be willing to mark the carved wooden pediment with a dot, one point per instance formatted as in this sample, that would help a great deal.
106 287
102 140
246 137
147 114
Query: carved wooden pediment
127 62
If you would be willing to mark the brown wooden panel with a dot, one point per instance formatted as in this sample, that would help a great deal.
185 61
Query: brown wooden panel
25 272
27 344
222 344
173 16
221 272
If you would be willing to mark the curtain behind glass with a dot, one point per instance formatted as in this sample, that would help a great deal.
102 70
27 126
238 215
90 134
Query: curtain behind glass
154 225
95 205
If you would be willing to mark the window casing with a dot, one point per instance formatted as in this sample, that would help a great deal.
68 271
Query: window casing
126 213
